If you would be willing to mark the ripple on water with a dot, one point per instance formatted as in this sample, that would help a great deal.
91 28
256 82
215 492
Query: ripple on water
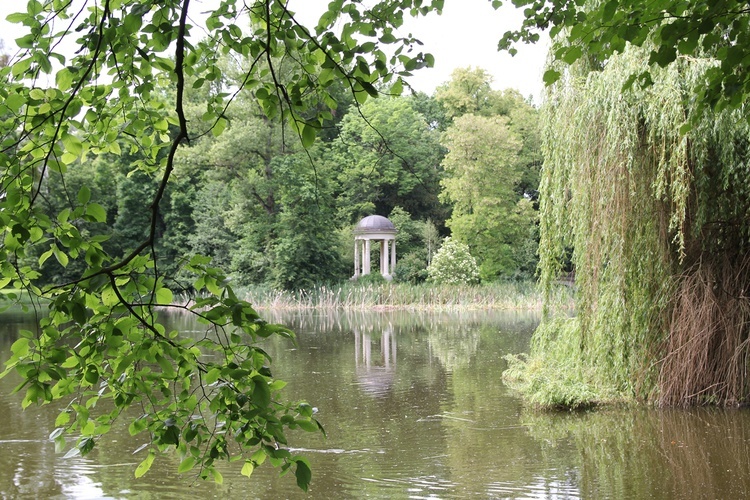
542 488
416 487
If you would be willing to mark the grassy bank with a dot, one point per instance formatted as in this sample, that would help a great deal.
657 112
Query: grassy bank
400 296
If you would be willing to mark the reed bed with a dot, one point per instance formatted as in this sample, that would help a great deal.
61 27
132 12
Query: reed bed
507 296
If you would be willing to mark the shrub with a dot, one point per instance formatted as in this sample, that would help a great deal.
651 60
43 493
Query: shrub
411 268
374 278
453 265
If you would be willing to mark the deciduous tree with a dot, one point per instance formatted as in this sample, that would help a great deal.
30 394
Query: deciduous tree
388 156
482 172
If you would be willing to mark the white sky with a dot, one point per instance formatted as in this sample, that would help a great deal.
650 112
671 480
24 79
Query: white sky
466 34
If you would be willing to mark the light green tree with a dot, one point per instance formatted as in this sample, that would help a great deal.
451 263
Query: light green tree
482 172
645 145
469 91
651 211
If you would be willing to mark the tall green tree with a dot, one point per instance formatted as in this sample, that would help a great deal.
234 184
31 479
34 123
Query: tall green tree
305 252
388 156
99 339
656 218
482 172
469 91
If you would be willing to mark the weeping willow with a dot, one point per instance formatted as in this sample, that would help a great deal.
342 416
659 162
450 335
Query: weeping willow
650 206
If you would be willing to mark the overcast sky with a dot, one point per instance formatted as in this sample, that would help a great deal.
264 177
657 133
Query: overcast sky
466 34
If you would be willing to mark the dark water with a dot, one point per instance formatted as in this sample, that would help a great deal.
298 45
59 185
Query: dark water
414 408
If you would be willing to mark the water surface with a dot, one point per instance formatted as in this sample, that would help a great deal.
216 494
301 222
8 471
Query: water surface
413 407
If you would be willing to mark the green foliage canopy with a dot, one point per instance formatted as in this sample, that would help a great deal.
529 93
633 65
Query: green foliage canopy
482 172
668 29
387 156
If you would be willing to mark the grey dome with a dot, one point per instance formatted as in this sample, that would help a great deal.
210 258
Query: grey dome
374 224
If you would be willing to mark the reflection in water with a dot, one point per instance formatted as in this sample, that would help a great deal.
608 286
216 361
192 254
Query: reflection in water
649 453
455 346
375 378
413 407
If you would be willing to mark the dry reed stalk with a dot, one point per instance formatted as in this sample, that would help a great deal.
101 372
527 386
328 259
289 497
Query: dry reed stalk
708 347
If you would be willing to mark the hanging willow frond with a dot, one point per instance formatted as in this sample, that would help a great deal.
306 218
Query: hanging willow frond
636 190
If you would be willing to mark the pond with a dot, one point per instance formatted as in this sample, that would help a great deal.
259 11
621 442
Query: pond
414 407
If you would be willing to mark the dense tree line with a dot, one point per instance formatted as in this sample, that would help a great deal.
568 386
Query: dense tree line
272 212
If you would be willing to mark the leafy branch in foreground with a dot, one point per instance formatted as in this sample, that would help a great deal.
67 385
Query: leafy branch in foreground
595 31
100 345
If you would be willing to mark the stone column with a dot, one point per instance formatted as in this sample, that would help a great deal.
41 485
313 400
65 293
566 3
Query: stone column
362 257
385 271
356 259
393 257
366 258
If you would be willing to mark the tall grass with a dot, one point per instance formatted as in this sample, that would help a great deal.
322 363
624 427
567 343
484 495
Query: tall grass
400 296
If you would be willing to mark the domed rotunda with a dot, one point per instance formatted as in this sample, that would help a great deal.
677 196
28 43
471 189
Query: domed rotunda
380 229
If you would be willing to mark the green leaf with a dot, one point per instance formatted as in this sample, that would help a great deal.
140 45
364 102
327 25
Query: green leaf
34 7
61 256
247 468
132 23
571 55
137 425
186 464
165 365
72 145
212 376
608 11
96 212
84 195
307 425
261 392
219 127
308 135
303 474
259 456
20 347
398 87
164 296
144 466
64 79
170 435
62 419
14 102
17 17
550 76
369 89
